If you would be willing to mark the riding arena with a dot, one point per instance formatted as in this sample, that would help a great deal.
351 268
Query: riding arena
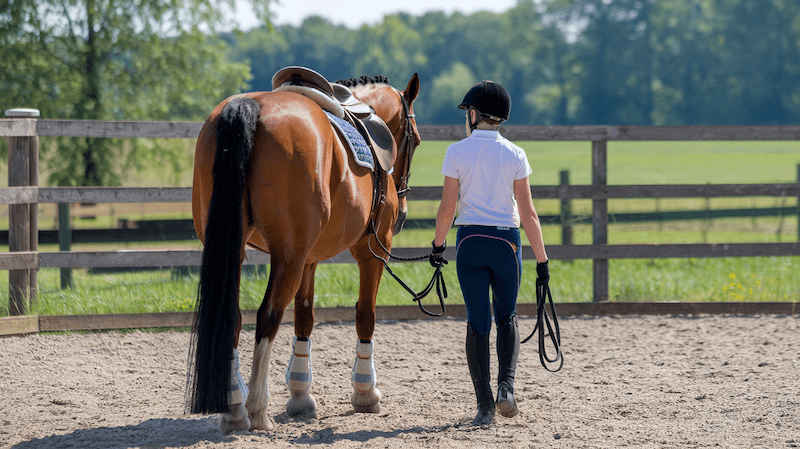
315 171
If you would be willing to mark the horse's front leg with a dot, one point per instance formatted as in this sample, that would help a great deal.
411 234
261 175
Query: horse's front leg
366 396
301 403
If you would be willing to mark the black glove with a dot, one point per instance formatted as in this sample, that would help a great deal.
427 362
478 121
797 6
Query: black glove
436 258
542 273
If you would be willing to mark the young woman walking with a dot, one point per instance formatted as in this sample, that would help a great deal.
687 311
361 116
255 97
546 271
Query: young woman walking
486 180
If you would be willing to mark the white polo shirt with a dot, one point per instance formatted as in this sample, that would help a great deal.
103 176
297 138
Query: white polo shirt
486 165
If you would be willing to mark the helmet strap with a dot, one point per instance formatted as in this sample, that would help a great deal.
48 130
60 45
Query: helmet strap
478 118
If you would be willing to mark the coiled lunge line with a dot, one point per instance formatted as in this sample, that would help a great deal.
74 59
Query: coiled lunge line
542 296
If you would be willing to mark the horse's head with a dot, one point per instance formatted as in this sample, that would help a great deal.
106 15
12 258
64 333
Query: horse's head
396 108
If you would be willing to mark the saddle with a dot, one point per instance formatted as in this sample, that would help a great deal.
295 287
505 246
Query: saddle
340 102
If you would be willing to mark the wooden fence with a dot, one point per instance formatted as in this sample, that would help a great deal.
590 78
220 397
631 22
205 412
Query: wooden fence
22 130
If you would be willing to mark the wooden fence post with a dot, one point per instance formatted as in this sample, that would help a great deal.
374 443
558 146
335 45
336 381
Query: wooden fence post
566 211
23 224
600 219
64 241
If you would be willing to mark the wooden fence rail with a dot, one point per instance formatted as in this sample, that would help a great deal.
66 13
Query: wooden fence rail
23 130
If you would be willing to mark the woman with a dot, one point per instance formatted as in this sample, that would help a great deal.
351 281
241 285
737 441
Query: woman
486 176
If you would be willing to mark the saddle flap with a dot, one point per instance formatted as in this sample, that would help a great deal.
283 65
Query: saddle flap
301 76
380 137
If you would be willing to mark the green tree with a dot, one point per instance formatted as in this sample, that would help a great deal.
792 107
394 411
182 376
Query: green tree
759 46
266 50
391 48
115 59
636 62
450 87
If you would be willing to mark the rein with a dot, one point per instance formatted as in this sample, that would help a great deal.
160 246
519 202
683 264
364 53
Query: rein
438 278
542 296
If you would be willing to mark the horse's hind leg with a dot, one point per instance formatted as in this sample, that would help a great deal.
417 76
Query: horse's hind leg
302 404
236 418
366 396
284 280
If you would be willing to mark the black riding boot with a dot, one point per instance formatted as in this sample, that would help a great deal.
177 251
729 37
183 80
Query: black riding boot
478 361
507 355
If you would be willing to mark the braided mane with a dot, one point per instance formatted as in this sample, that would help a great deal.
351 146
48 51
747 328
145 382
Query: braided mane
363 79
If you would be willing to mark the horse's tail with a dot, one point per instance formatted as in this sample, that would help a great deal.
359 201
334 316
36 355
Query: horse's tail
217 314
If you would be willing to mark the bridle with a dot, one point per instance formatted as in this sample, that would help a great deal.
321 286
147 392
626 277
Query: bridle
437 280
406 144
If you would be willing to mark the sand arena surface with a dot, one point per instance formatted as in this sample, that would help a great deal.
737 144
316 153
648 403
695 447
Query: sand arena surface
643 381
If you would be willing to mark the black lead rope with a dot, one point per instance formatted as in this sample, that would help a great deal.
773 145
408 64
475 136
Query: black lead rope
542 296
437 280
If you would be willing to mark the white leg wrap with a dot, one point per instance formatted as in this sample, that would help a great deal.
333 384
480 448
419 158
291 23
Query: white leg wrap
364 375
298 373
238 390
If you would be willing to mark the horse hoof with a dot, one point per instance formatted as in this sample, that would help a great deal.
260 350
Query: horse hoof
235 420
260 421
302 406
367 409
366 402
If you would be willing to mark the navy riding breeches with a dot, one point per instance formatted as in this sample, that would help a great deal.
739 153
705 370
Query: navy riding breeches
489 257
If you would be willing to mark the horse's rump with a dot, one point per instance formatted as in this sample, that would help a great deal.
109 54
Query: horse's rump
299 176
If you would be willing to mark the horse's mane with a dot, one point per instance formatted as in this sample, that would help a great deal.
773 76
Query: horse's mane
364 80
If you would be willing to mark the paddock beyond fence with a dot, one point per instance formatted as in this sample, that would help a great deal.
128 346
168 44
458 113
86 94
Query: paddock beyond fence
23 194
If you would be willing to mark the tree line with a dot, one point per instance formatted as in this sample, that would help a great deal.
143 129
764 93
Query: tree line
565 62
569 62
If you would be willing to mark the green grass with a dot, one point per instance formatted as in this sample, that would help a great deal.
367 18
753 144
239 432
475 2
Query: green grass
733 279
755 279
730 279
633 163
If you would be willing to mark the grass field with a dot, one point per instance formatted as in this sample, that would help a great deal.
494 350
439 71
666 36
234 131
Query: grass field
733 279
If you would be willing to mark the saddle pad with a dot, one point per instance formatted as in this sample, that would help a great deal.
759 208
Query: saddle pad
355 141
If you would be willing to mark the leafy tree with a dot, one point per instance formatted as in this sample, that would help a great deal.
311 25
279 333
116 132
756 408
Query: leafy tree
392 48
760 50
265 50
106 59
450 88
665 62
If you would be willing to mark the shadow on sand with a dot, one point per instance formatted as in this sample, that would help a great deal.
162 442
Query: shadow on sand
175 433
162 432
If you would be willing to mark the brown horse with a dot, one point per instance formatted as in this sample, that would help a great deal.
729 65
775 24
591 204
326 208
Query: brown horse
271 173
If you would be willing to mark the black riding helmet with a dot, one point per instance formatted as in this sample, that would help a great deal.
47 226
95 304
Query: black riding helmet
490 99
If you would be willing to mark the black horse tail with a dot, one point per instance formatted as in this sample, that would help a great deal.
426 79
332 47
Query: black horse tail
212 344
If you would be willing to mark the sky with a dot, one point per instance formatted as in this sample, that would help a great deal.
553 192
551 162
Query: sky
354 13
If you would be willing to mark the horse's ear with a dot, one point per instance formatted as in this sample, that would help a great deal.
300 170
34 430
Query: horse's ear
412 90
